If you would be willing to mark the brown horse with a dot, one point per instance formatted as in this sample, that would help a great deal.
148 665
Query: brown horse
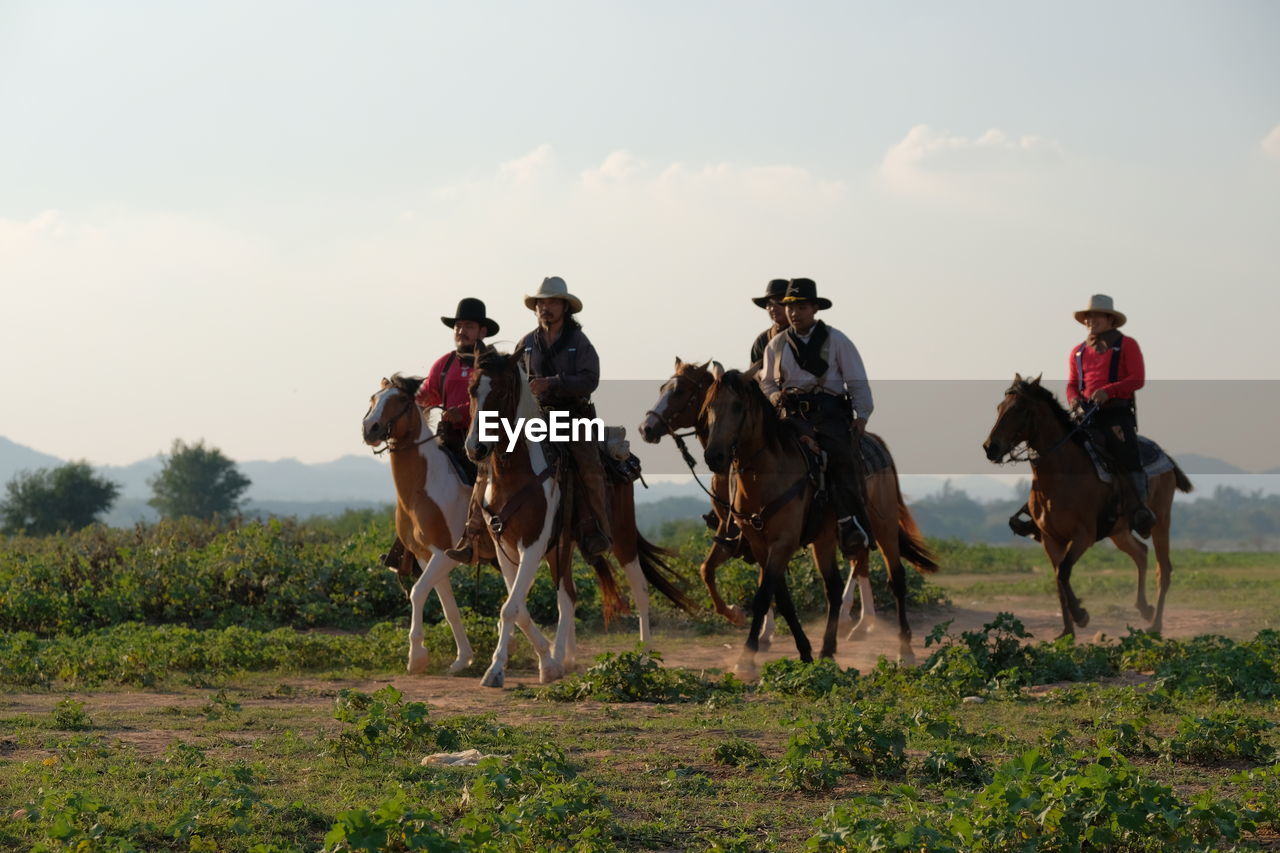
525 498
431 503
1069 503
678 407
773 503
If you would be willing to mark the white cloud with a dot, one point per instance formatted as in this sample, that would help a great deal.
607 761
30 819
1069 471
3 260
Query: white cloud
530 167
1271 143
619 165
927 161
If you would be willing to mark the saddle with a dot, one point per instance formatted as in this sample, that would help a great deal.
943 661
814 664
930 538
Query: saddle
620 464
1152 456
462 466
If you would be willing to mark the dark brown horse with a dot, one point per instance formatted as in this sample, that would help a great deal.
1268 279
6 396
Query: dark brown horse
773 499
525 495
678 406
1069 502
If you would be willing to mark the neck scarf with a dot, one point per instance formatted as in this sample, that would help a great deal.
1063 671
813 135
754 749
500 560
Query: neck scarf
808 354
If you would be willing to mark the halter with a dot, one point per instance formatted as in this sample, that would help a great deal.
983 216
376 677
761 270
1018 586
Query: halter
679 438
386 442
1027 454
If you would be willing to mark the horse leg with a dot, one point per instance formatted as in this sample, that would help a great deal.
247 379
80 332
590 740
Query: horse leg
435 574
1073 613
715 557
767 628
519 577
1131 545
639 594
566 601
787 608
825 557
746 668
898 580
1164 566
860 576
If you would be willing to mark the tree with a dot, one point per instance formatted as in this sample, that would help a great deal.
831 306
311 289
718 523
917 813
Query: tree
197 481
55 500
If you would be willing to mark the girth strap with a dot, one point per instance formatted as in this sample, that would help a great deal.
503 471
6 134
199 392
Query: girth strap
498 520
757 519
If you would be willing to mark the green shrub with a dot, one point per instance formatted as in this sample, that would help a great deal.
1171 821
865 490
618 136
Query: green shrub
1218 738
636 676
791 677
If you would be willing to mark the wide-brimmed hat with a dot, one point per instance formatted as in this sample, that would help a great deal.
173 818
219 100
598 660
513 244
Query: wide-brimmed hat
553 287
471 309
805 290
1103 304
773 291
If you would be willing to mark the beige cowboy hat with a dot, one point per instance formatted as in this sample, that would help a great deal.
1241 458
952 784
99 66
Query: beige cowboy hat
553 287
1102 303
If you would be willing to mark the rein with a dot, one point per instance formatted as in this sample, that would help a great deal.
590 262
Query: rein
1079 427
679 439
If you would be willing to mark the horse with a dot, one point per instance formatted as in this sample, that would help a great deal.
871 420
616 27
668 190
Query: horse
678 406
524 498
1069 500
431 505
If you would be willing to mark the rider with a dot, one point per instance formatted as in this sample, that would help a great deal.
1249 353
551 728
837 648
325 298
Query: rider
1104 373
772 303
446 385
813 371
563 370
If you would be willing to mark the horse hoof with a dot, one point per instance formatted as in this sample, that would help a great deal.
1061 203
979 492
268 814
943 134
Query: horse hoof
459 665
1071 634
1156 628
1082 618
746 671
906 657
858 632
736 616
417 662
1146 611
549 672
763 645
493 678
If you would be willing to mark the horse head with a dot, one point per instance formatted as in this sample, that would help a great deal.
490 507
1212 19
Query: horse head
1018 417
500 388
679 401
730 405
385 420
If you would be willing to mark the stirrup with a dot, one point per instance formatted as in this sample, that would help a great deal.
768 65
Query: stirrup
1023 526
1141 520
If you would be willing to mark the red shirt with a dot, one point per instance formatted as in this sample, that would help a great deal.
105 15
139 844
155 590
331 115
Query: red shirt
1097 371
456 401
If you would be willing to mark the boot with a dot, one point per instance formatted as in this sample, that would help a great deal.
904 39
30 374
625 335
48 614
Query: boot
392 558
853 537
593 542
1022 524
1141 518
592 501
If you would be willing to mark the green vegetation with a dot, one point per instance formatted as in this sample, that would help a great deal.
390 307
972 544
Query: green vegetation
197 482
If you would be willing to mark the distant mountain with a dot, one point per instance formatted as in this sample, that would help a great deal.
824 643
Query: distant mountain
15 457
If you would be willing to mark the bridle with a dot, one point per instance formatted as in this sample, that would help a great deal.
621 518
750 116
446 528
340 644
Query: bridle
387 444
1030 455
679 437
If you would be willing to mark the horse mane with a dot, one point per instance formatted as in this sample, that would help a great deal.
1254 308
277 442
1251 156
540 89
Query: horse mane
407 384
774 429
1035 391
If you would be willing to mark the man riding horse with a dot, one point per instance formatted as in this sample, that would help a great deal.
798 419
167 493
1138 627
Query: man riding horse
564 370
771 302
813 372
445 387
1104 372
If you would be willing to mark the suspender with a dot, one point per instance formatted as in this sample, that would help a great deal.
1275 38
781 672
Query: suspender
444 374
1112 374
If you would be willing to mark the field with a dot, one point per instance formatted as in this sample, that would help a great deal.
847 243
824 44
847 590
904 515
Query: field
207 724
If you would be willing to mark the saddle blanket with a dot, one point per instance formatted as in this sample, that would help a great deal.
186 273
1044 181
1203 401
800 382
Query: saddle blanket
875 456
1154 460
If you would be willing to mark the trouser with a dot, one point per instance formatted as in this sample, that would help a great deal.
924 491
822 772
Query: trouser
591 503
846 483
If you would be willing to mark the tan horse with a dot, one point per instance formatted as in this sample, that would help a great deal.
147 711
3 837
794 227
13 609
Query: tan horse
677 408
431 505
524 497
1068 499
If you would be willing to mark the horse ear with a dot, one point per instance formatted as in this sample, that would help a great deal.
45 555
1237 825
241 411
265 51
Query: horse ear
717 370
385 382
678 362
1036 381
1017 377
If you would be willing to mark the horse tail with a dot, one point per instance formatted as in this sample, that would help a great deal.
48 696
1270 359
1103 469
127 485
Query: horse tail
911 542
611 600
1184 485
658 572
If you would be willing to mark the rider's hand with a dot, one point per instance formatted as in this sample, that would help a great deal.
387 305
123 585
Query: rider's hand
776 398
859 426
540 386
1099 397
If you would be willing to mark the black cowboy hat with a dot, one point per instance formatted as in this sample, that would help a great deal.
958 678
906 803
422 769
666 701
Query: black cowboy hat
774 290
805 290
471 309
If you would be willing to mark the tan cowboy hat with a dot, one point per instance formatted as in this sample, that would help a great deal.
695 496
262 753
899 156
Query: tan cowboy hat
553 287
1102 303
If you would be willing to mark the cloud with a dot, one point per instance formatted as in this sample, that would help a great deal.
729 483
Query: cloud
927 161
618 166
1271 143
530 167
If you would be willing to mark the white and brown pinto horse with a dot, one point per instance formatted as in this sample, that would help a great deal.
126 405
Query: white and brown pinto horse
678 408
431 506
525 499
1069 500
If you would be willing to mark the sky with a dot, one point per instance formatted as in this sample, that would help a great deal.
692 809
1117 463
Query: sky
229 221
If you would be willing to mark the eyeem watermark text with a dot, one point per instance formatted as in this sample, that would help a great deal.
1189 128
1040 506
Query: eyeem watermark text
557 426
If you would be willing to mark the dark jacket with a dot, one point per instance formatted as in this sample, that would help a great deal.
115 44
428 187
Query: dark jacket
571 363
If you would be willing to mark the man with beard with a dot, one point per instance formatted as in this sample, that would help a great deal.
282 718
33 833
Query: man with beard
771 302
813 371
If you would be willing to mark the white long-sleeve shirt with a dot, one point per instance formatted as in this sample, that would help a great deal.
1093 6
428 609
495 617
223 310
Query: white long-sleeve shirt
844 371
